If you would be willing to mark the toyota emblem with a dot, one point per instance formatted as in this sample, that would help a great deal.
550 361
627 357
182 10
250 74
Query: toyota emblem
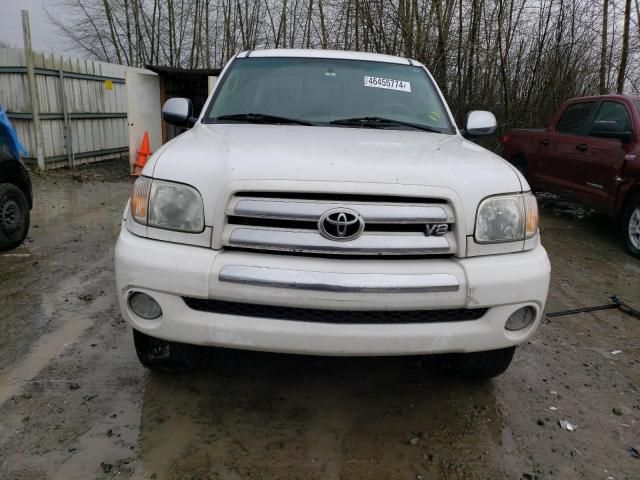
341 224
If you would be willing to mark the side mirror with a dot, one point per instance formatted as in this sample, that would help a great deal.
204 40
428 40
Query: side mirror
610 129
480 123
178 111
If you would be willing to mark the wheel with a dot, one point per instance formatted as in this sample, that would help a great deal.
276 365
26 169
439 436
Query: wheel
478 365
164 356
631 227
14 216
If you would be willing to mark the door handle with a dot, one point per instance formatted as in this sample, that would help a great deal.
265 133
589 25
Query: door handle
545 142
582 147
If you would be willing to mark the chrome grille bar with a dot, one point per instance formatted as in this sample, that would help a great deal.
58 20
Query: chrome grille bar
313 210
311 241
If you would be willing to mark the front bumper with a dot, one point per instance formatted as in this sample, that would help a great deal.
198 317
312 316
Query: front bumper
168 272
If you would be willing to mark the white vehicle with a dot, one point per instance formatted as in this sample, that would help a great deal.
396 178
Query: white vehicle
326 203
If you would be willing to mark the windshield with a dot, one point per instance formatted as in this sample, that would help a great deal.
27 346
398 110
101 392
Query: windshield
318 91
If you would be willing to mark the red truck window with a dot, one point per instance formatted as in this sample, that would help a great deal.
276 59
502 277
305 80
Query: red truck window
614 112
576 119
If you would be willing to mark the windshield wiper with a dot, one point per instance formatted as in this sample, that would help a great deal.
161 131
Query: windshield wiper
261 118
381 122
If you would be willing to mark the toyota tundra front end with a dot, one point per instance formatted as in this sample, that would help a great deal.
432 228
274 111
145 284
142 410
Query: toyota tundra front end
326 203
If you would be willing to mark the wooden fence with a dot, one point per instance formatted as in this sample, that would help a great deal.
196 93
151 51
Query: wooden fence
82 107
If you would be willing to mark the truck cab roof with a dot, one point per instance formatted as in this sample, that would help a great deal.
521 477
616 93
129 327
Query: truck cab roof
612 96
336 54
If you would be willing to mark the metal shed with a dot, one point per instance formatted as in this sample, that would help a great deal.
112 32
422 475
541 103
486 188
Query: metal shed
192 83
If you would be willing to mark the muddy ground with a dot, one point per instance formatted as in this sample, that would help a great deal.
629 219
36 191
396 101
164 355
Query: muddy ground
75 403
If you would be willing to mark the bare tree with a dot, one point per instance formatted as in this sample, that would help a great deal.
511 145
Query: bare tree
519 58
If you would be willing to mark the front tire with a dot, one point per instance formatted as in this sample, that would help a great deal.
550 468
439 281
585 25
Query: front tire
164 356
631 227
478 365
14 216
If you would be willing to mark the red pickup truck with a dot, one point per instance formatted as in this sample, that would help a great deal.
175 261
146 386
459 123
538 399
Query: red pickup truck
589 153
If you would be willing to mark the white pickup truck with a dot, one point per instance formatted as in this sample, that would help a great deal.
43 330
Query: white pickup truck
326 203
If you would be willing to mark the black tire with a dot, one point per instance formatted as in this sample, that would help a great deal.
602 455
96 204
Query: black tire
630 227
164 356
478 365
14 216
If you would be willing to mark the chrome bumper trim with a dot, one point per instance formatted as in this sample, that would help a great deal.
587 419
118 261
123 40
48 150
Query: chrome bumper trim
312 211
310 241
339 282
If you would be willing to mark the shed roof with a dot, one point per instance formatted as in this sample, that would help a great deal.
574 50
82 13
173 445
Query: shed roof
181 72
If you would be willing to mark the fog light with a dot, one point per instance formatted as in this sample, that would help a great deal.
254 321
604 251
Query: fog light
144 306
520 319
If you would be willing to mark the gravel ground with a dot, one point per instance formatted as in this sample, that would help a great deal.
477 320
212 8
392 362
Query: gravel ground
77 405
109 171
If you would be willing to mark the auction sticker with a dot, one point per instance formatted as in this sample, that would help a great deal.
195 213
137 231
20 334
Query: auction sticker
387 83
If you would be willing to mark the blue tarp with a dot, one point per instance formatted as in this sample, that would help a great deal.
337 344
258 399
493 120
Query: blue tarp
8 138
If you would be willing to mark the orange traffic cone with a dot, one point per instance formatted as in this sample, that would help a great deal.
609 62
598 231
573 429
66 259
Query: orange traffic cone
143 155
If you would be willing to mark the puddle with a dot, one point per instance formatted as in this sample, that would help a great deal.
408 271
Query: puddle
71 321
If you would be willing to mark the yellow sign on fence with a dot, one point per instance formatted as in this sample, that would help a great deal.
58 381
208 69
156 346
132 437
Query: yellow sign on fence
108 85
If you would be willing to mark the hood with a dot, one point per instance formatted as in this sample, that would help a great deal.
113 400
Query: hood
215 158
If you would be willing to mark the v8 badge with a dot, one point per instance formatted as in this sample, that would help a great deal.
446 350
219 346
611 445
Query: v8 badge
436 229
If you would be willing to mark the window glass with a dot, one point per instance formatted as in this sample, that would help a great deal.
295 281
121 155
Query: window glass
614 112
321 90
575 119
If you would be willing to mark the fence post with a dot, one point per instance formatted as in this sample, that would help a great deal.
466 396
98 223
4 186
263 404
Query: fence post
33 89
68 144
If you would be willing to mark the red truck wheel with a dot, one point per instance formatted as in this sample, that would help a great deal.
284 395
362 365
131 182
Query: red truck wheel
631 227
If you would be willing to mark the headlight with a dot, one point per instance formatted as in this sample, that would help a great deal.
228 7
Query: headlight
507 218
168 205
531 214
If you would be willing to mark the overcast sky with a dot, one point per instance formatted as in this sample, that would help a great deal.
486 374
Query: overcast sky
44 36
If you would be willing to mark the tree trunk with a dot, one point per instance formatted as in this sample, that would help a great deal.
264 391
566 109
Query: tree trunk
603 48
323 28
107 12
624 54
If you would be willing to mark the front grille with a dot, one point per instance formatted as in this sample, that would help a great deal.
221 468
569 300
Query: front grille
289 222
334 316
